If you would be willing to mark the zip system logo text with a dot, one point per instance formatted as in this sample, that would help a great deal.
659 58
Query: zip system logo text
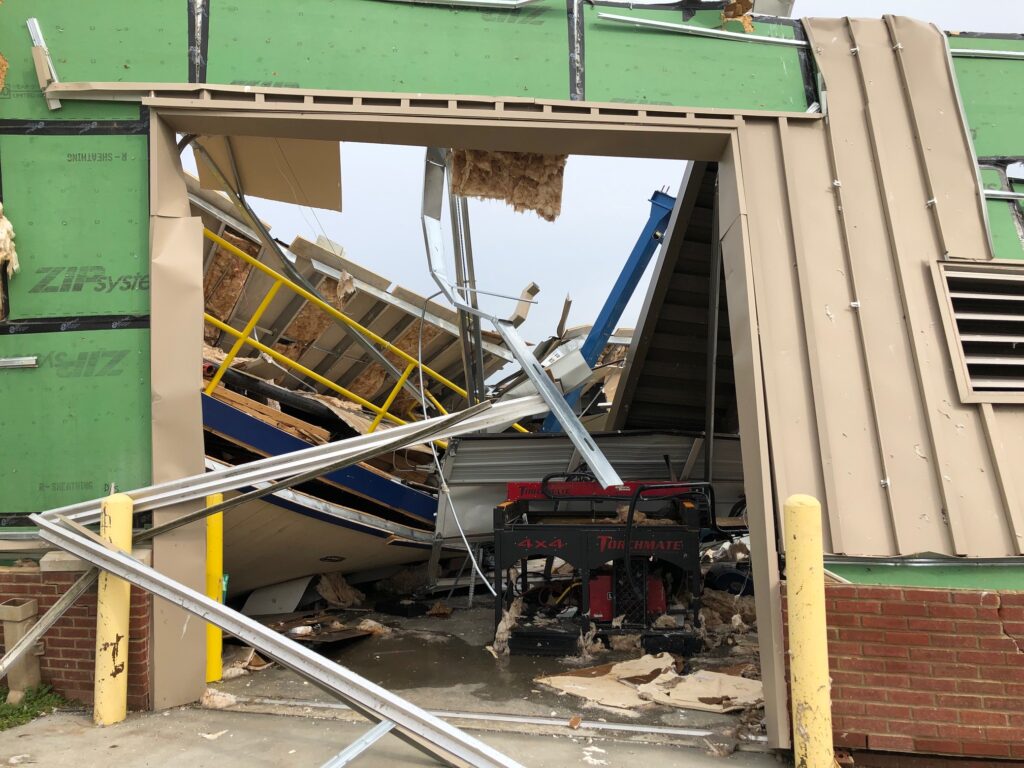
87 278
85 365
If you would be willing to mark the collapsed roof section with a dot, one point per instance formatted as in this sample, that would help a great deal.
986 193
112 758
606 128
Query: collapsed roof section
301 331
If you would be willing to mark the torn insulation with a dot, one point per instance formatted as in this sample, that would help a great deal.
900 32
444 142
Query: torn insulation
8 256
739 10
525 180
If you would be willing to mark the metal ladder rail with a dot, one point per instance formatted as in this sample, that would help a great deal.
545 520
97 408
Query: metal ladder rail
422 730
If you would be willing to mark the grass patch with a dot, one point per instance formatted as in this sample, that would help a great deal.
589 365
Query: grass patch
38 701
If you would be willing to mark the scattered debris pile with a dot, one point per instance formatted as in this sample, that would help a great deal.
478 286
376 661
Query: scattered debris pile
525 180
729 628
240 660
322 630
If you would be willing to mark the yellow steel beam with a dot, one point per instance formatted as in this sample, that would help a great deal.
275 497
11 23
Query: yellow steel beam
237 346
214 586
391 397
287 361
437 405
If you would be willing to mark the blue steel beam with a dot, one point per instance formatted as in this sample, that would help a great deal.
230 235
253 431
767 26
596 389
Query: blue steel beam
622 292
383 494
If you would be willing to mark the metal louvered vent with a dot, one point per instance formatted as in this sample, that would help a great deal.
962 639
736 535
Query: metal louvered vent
986 304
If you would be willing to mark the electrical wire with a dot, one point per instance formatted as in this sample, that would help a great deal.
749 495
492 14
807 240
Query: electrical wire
444 490
568 589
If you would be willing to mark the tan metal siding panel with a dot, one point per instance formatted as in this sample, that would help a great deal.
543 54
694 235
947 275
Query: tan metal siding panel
859 506
903 429
1004 428
891 230
795 452
957 445
750 402
945 148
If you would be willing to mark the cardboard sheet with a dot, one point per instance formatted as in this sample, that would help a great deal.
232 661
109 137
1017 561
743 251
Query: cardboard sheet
703 690
300 171
607 684
650 679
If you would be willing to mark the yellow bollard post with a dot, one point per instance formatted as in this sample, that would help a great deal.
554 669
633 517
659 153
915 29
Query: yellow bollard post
214 586
113 602
808 639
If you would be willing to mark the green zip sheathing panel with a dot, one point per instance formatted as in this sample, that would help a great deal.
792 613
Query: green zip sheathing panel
378 46
78 421
966 575
1002 222
649 66
80 210
141 41
992 91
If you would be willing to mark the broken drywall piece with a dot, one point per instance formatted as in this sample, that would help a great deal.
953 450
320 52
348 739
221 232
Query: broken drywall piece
525 180
609 684
653 680
276 598
8 256
604 690
703 690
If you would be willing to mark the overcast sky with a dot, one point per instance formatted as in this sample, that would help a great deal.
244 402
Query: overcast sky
604 207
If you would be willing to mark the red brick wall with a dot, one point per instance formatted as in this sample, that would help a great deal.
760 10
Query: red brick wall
927 670
67 663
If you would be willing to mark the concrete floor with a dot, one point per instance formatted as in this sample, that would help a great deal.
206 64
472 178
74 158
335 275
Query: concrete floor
442 664
439 664
174 739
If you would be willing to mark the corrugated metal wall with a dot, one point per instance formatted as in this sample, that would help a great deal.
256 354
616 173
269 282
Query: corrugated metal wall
847 219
